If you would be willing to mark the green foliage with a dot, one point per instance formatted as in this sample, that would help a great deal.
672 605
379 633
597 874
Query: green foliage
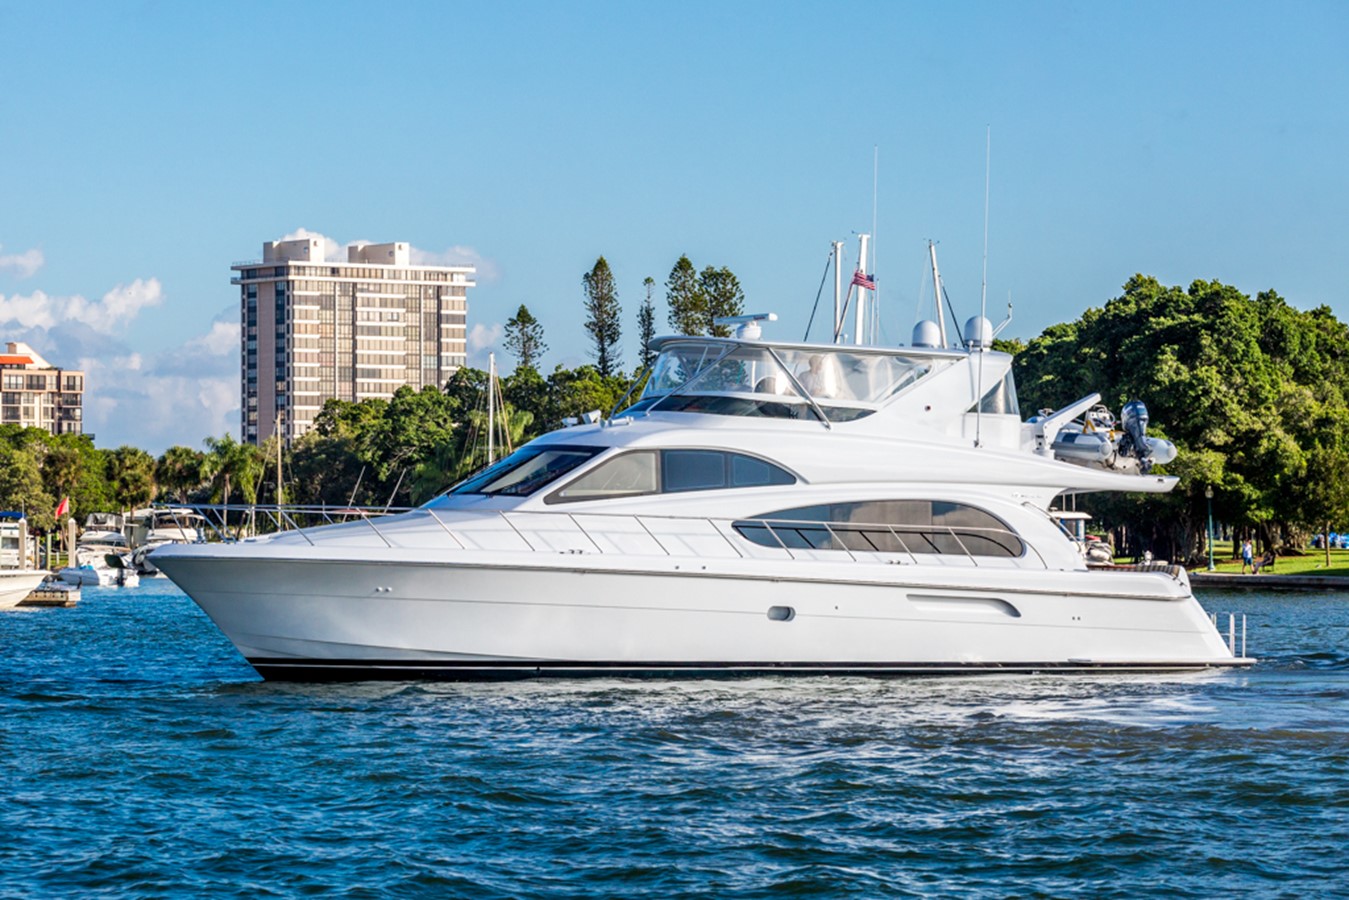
1246 388
132 472
232 469
604 316
722 296
179 472
646 324
524 338
21 486
696 299
685 299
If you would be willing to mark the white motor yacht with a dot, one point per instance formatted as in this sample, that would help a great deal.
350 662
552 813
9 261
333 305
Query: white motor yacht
102 555
762 507
153 527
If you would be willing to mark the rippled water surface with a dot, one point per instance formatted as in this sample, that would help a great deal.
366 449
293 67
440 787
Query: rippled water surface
140 756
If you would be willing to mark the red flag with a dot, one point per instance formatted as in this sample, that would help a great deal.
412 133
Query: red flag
863 280
63 507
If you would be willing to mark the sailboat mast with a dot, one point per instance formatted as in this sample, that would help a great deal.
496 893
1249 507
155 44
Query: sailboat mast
491 407
279 501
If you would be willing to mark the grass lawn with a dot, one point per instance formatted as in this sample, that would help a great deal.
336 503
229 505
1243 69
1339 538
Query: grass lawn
1312 563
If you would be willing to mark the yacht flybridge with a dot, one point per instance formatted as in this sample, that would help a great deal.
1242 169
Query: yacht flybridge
761 507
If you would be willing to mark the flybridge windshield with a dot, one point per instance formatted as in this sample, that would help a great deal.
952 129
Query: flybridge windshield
845 378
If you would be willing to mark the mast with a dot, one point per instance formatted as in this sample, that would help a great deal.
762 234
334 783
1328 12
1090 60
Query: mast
859 330
279 501
936 292
838 289
491 407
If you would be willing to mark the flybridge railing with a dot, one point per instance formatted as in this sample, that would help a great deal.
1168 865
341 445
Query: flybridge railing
799 539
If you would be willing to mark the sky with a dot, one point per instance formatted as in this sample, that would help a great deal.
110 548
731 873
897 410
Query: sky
147 146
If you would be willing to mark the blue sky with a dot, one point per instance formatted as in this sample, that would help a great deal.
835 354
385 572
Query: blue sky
146 146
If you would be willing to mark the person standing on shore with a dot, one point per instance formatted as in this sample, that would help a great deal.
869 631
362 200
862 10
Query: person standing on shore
1247 556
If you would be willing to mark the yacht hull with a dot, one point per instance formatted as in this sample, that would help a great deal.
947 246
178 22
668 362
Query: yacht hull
17 584
489 616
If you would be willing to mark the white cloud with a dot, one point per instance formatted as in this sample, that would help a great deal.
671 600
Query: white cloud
483 339
221 339
153 402
458 255
36 310
113 313
24 264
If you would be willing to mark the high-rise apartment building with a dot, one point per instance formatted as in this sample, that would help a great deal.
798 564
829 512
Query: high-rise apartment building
316 329
37 394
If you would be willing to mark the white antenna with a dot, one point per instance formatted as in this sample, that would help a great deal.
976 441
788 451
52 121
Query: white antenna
936 293
983 298
876 291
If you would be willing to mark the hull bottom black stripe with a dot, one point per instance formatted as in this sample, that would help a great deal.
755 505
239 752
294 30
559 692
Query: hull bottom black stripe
290 669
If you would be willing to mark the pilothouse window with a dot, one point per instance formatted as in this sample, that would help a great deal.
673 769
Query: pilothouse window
671 471
526 471
886 526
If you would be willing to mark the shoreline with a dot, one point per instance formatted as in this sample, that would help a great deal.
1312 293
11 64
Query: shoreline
1239 582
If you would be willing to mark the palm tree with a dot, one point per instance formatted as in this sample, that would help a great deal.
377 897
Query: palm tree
179 471
133 476
229 466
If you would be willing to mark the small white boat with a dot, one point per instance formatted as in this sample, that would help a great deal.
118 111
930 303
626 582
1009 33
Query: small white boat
1096 441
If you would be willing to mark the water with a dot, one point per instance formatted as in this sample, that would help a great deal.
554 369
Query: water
140 756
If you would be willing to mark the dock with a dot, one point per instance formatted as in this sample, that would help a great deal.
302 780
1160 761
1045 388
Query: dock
1230 582
46 595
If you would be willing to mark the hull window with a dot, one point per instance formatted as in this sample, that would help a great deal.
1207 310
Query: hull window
886 526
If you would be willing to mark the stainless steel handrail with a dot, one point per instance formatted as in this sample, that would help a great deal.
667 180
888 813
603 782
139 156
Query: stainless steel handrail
288 515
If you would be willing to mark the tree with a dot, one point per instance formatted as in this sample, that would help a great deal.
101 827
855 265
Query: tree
1246 388
524 338
684 298
327 469
574 392
231 466
1323 493
646 325
722 296
603 311
132 472
178 471
21 487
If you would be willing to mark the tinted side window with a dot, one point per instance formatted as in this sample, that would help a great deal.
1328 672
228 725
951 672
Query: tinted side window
746 471
693 470
626 475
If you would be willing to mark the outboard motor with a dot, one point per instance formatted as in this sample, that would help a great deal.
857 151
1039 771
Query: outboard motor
1134 418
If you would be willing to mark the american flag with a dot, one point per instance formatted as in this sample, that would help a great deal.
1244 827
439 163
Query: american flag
863 280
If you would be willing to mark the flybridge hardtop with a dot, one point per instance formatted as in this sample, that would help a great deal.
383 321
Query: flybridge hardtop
905 414
760 507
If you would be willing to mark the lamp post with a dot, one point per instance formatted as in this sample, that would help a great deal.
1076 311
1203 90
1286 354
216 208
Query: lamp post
1208 495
